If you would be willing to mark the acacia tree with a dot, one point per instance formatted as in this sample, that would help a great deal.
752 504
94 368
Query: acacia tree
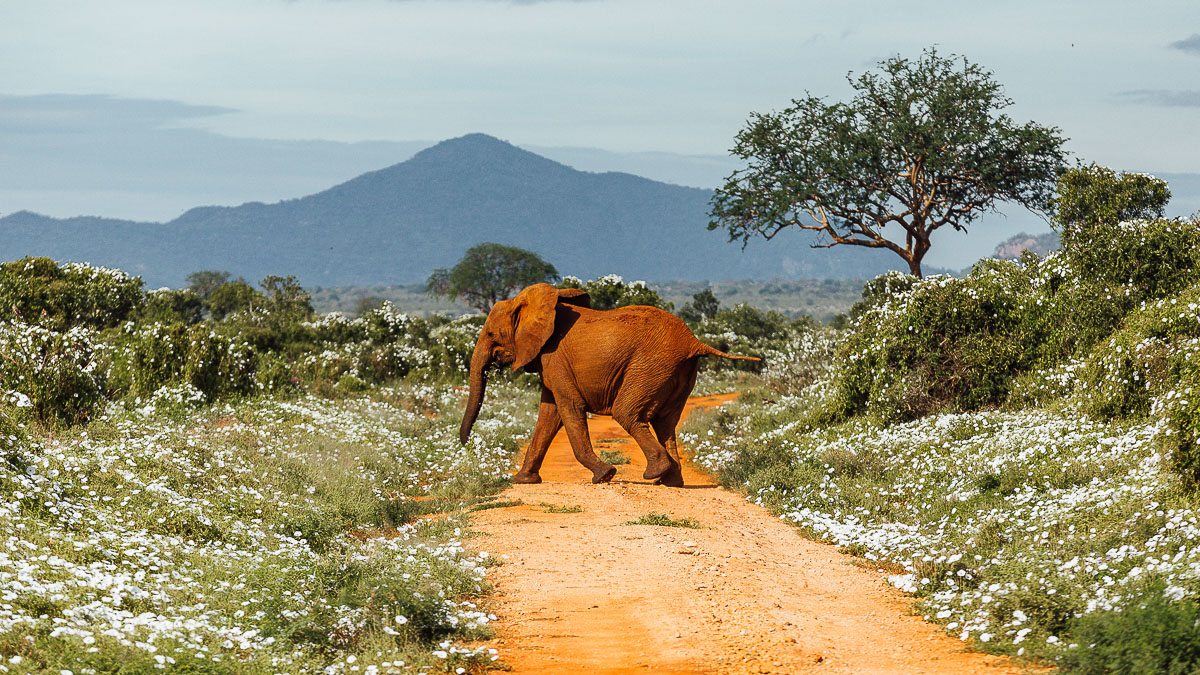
923 144
488 273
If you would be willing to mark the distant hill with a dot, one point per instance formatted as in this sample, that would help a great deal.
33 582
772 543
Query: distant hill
395 225
1040 244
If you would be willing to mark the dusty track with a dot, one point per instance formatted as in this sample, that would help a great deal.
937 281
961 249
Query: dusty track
580 592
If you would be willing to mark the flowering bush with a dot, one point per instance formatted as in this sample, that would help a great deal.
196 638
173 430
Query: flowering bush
41 291
165 305
939 343
611 291
145 358
1150 369
54 374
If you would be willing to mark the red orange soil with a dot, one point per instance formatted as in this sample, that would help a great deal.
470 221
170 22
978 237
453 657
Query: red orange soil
582 593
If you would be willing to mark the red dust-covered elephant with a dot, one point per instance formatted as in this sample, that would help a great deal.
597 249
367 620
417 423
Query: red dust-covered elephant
635 363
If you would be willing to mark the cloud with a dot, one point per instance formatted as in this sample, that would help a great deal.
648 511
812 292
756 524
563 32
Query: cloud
1164 97
1189 44
64 112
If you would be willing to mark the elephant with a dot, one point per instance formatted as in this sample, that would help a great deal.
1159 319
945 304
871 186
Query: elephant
637 364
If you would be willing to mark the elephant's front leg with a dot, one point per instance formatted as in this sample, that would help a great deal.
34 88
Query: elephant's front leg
574 419
548 424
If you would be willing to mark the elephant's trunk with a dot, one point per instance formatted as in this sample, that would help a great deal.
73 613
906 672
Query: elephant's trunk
479 363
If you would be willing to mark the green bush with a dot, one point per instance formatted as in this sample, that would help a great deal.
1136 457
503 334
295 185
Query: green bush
145 358
999 334
43 292
1151 366
941 343
171 306
1151 635
54 374
747 331
1093 196
230 298
611 291
1144 259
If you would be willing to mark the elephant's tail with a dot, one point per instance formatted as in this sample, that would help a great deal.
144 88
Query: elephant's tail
706 350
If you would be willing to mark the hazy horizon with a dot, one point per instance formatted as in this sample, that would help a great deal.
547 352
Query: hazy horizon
140 110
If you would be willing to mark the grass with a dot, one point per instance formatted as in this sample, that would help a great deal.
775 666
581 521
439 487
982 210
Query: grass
556 508
498 504
613 456
663 520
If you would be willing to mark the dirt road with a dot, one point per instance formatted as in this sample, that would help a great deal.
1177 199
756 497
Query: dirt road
583 593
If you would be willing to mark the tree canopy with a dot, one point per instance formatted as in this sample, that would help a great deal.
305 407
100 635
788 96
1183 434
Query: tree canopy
488 273
922 144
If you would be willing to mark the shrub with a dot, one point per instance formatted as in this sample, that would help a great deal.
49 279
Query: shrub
1093 196
41 291
611 291
230 298
940 343
1151 367
165 305
1151 635
1145 259
53 373
923 346
146 358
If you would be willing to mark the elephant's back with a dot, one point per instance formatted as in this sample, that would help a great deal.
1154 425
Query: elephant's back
655 332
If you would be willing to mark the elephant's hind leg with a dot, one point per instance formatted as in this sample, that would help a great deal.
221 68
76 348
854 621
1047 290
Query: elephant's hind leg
548 424
664 428
574 420
632 419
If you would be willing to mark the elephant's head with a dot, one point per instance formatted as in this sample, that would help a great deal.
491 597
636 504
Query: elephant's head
514 334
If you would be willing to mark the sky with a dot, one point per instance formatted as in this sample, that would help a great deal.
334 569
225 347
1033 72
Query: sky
143 108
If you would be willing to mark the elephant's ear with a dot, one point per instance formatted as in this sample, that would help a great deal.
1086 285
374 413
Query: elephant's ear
574 296
534 322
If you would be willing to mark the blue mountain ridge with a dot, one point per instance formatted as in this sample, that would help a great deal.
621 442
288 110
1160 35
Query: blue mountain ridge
395 225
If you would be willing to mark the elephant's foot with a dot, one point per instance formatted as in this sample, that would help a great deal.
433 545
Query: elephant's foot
523 477
660 468
603 473
673 478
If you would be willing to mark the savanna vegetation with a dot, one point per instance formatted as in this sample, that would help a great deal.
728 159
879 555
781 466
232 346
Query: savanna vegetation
219 479
215 479
1017 447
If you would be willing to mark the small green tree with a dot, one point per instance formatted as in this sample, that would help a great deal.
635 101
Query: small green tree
488 273
922 145
286 301
207 281
704 305
230 298
367 304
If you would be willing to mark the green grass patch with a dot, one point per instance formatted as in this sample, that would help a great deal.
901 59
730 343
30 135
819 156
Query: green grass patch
557 508
663 520
613 456
499 504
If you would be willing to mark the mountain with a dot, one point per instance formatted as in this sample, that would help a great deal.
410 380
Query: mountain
1041 244
396 225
